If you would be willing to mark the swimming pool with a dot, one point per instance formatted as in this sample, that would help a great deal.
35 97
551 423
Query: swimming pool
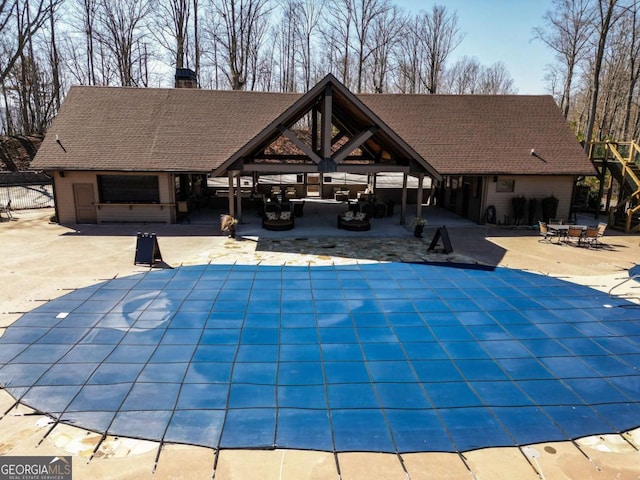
381 357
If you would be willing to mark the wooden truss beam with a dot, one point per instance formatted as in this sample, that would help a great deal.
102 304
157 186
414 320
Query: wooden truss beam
312 168
354 143
338 137
300 144
284 157
325 123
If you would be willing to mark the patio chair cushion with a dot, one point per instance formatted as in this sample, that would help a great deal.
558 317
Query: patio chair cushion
356 223
278 221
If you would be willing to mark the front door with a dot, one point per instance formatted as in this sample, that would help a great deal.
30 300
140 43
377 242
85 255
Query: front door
313 185
84 199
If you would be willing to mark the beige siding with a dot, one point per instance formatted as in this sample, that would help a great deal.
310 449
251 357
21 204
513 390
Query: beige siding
161 213
65 203
537 187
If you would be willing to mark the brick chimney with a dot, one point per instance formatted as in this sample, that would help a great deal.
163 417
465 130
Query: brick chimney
186 78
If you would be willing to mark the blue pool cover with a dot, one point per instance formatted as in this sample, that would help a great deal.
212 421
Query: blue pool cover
378 357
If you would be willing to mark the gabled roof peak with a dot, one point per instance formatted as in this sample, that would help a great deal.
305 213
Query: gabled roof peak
332 106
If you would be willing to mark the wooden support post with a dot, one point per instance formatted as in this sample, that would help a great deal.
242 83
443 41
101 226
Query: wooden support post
419 196
327 114
403 209
238 196
232 210
432 192
314 129
601 178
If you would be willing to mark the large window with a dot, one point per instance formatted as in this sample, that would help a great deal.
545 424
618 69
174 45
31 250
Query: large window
128 188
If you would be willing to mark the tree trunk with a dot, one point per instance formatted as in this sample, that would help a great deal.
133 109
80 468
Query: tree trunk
633 76
602 40
196 40
566 95
55 62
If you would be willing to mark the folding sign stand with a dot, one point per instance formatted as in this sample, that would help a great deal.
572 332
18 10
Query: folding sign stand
147 249
441 233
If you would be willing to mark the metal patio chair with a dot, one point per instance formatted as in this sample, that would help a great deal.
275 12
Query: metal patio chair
574 235
590 236
545 232
602 227
6 208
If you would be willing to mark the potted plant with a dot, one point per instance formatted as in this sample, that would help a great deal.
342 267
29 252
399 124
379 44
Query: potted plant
228 225
418 226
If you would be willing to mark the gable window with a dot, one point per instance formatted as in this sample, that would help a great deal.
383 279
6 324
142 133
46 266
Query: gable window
128 188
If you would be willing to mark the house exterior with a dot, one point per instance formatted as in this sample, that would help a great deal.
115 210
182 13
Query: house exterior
132 154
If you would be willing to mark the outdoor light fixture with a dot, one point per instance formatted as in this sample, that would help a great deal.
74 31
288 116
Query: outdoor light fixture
60 143
535 154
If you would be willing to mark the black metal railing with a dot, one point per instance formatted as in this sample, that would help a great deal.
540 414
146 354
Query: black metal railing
27 196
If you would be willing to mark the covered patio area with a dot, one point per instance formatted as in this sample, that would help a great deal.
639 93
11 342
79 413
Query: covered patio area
327 134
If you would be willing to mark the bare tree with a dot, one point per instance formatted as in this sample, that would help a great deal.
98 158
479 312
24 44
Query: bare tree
287 40
496 80
55 58
385 35
337 32
614 80
19 22
256 61
86 13
196 40
429 39
214 65
554 79
122 34
29 89
605 17
172 20
365 13
440 36
29 84
464 76
309 17
468 76
568 31
411 58
243 24
266 71
632 25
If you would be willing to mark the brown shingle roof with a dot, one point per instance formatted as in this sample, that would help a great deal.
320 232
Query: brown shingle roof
148 129
190 130
484 134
